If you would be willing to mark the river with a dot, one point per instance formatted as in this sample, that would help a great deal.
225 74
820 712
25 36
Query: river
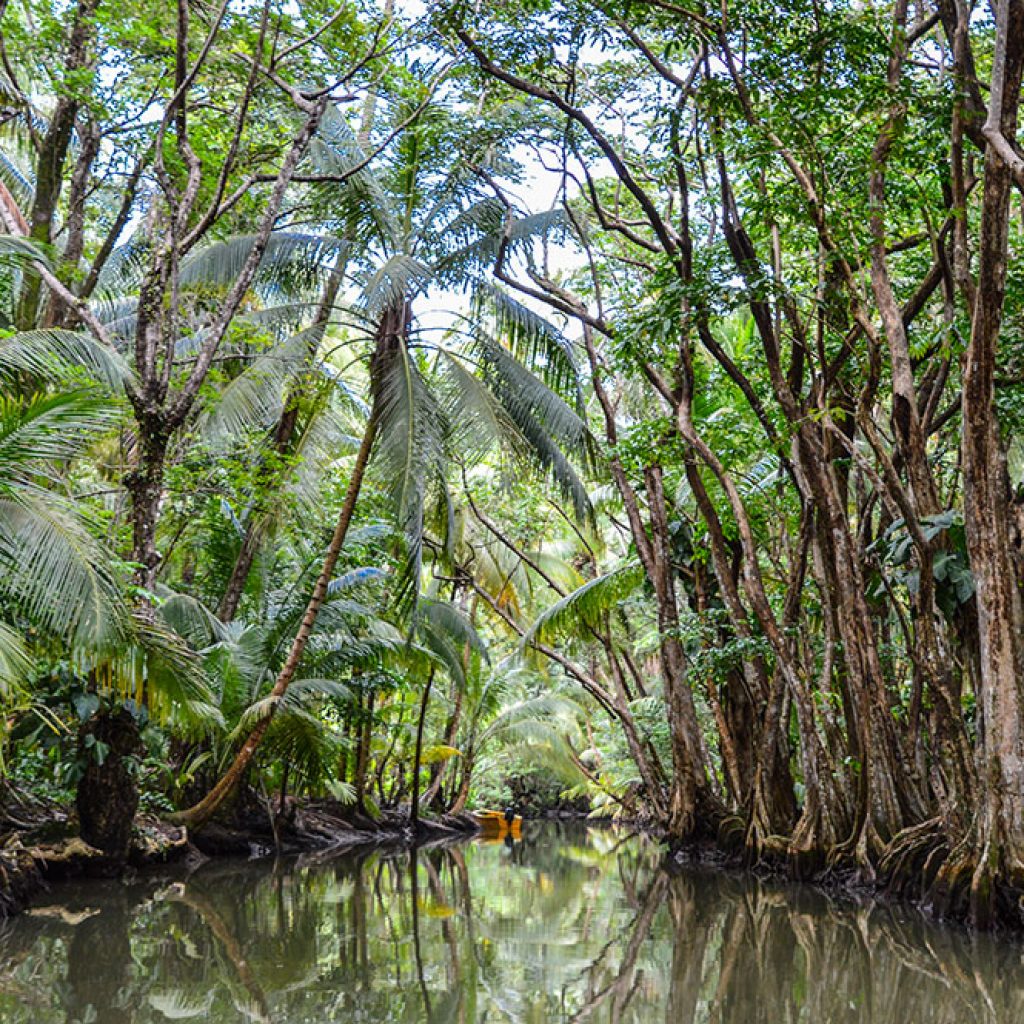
571 924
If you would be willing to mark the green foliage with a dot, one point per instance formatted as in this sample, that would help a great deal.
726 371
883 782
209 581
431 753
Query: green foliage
612 295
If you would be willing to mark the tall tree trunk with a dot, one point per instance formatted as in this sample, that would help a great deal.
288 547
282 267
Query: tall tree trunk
200 813
107 797
145 484
414 804
365 727
53 151
766 787
75 224
988 511
462 795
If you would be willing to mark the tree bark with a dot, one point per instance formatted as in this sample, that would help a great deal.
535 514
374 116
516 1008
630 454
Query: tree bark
107 797
414 803
52 154
988 513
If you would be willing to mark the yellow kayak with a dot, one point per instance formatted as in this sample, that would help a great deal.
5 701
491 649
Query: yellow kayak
498 825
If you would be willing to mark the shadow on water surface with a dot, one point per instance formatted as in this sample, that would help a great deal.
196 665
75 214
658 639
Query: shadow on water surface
571 924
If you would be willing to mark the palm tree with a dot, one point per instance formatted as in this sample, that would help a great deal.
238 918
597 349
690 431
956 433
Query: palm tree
449 635
423 227
239 661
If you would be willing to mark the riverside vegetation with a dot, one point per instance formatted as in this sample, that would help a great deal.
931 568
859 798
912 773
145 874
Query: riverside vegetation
406 409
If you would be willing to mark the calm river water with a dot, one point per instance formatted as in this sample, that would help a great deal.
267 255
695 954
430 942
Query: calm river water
569 925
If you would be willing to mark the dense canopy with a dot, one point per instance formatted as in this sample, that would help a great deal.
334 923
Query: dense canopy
591 403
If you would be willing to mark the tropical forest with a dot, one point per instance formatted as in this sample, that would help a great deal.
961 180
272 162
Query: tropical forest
512 510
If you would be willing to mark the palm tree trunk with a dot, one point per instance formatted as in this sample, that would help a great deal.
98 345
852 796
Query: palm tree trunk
462 797
414 805
197 815
365 727
450 734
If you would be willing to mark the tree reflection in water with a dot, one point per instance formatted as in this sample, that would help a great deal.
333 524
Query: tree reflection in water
569 925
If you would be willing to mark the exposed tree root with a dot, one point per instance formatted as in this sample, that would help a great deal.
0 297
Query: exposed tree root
911 861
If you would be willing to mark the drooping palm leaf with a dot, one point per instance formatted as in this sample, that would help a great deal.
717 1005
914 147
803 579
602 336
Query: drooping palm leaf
547 425
305 743
16 175
293 262
409 453
530 337
253 400
360 202
43 429
584 607
15 662
18 250
394 283
478 420
448 634
51 567
55 355
472 241
154 667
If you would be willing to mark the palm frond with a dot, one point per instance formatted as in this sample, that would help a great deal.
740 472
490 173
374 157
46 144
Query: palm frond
438 753
478 419
409 452
530 337
118 314
584 607
531 714
393 283
471 241
56 573
564 573
324 439
300 696
254 399
191 620
761 475
360 204
125 267
156 668
502 575
450 636
18 250
306 744
294 263
54 355
43 429
355 578
15 662
444 618
545 421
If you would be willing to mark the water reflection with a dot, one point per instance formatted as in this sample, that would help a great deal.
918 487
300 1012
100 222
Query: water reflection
569 925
